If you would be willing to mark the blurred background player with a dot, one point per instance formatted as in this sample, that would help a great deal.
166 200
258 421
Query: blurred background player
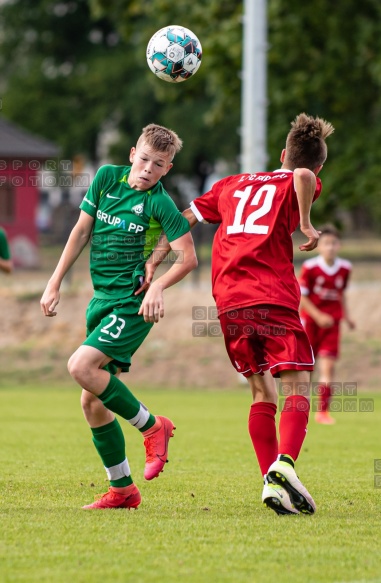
258 296
124 212
5 255
323 280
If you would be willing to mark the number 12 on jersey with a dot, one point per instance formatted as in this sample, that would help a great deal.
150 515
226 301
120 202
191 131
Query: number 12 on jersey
263 204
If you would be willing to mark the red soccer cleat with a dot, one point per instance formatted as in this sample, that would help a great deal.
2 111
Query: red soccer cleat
113 499
324 418
156 444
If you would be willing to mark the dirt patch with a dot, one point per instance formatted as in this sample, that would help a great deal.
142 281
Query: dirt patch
181 351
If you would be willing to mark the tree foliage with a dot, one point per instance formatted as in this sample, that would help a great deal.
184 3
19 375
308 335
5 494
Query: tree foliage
72 68
326 59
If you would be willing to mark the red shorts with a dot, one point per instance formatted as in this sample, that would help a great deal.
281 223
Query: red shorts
324 341
266 337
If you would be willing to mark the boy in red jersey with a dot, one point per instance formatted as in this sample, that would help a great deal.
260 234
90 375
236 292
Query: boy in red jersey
257 296
323 280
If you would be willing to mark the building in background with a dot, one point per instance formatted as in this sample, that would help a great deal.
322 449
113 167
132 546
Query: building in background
23 156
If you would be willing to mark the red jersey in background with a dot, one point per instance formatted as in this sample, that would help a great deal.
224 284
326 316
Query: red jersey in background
324 285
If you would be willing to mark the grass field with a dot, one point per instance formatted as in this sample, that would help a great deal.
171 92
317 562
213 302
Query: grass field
202 520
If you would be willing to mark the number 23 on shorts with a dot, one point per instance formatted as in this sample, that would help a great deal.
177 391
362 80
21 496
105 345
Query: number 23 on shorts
116 323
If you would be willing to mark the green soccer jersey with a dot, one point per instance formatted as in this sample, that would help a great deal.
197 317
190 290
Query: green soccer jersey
4 247
127 225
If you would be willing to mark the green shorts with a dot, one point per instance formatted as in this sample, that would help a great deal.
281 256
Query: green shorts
115 331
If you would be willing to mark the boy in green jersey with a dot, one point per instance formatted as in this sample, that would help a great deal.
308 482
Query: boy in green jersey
124 212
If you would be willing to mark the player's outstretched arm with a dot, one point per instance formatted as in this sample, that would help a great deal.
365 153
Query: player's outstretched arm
347 318
160 253
322 319
78 238
152 307
305 186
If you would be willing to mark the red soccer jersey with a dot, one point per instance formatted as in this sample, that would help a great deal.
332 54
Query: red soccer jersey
252 250
324 284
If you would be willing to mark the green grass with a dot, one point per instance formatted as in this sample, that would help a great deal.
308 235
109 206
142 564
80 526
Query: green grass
202 520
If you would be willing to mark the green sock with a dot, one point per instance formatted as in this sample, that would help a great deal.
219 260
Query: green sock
109 443
119 399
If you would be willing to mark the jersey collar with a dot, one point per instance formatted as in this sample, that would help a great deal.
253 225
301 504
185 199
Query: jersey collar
328 269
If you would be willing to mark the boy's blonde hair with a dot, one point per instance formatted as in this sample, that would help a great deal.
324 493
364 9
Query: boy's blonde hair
161 139
305 144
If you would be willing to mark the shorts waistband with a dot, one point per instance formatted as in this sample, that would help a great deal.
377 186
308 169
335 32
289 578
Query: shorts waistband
103 296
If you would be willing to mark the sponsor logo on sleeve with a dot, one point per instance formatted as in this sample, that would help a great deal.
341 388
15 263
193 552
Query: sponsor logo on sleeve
89 202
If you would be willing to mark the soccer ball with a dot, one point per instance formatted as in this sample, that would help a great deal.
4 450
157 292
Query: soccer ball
174 53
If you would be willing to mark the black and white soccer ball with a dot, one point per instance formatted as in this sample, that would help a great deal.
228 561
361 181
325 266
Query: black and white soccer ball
174 54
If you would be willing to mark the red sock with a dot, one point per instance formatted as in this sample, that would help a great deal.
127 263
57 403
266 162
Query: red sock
293 425
262 431
324 397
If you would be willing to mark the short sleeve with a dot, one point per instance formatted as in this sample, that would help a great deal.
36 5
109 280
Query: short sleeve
4 247
206 208
318 189
347 274
90 201
305 281
170 218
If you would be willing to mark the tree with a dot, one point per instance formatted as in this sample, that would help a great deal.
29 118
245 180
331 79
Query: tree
70 71
326 60
61 70
197 108
320 60
73 66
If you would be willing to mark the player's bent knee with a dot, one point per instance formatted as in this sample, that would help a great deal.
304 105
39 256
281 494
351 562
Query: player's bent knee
76 367
71 365
94 411
88 402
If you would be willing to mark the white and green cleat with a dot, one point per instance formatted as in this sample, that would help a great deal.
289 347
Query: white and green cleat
283 474
277 498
